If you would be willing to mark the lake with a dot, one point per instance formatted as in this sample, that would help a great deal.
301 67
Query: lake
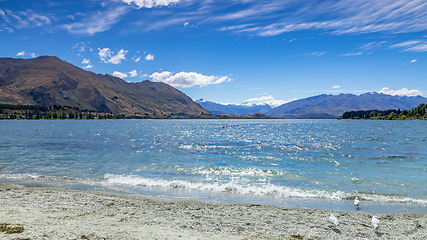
321 164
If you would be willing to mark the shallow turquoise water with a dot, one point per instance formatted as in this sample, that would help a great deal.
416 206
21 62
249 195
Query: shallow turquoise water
280 160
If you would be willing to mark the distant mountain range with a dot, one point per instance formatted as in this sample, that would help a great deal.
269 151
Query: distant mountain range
49 81
218 109
331 106
321 106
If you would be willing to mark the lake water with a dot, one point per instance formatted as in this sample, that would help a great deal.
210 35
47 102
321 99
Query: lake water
291 163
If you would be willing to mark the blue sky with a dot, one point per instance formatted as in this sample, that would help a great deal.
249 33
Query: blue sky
235 51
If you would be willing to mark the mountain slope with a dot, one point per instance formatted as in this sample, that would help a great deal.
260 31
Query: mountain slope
49 81
218 109
331 106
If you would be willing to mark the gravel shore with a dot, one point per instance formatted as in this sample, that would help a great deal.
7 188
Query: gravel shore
46 213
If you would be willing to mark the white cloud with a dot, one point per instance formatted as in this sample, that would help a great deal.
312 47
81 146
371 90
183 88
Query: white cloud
119 74
414 60
316 54
107 56
347 17
104 54
119 57
150 3
412 46
22 19
133 73
149 57
268 100
137 60
33 55
87 61
20 54
81 46
187 79
97 21
336 86
401 92
353 54
143 75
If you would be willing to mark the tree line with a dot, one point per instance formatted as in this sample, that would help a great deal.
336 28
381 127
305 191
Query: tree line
391 114
27 112
11 111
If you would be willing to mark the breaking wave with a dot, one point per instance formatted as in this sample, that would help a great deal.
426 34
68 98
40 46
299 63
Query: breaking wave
268 190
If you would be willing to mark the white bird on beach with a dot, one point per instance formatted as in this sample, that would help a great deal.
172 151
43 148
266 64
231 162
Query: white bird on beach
375 222
356 203
333 219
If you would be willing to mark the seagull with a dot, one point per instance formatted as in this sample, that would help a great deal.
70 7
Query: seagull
356 203
375 222
333 219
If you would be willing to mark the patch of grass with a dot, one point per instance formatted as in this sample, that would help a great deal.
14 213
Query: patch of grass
8 229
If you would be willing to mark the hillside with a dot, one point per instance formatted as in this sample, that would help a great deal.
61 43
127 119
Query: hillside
218 109
49 81
331 106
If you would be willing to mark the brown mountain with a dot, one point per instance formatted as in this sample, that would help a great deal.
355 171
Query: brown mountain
49 81
331 106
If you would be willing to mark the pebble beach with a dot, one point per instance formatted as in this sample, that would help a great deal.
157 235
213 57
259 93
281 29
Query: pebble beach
50 213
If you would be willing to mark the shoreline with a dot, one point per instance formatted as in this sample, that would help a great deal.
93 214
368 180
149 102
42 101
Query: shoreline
52 213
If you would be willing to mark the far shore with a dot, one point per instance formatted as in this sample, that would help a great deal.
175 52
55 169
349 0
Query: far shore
49 213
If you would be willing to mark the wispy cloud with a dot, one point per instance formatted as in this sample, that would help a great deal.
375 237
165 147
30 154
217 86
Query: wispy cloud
96 22
336 86
23 19
353 54
187 79
149 3
412 46
315 54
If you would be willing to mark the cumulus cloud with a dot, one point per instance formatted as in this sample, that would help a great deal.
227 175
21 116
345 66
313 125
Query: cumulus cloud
414 60
20 54
119 74
149 57
87 62
187 79
137 59
150 3
336 86
118 57
268 100
107 56
401 92
133 73
33 55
